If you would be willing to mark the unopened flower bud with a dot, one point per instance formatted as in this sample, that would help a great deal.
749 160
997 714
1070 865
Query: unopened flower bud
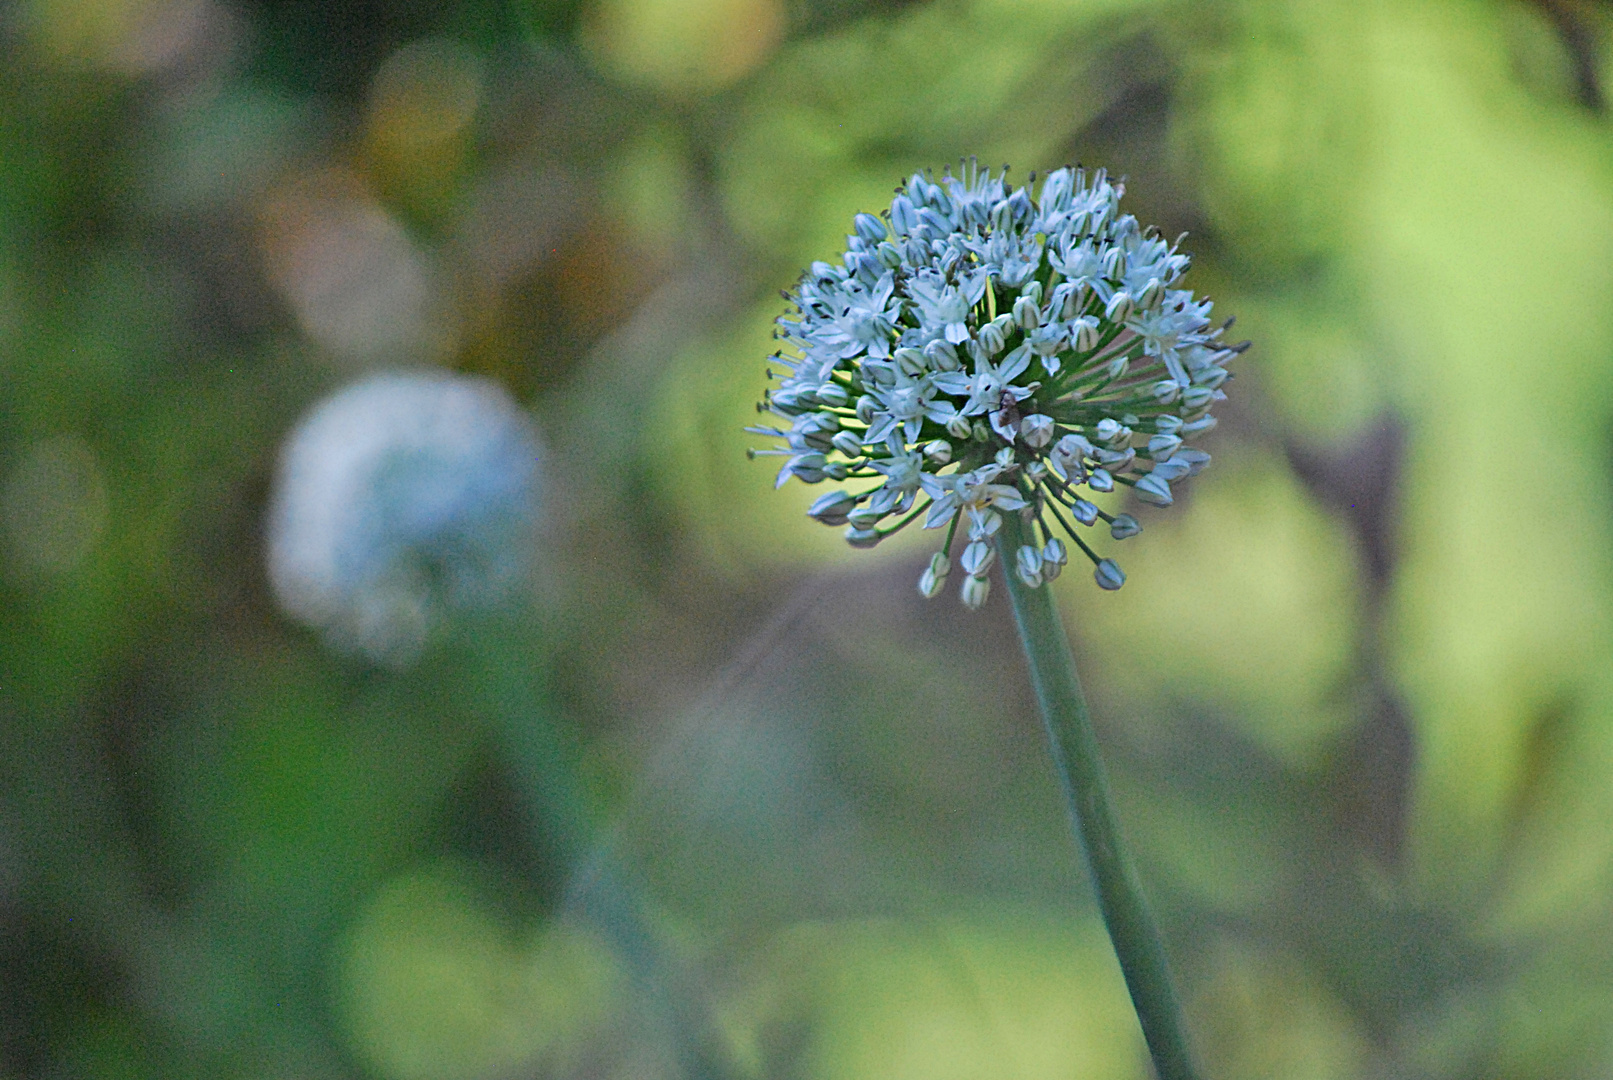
1167 424
1004 457
1112 432
786 402
1086 333
1028 564
1170 470
848 443
1037 430
1199 426
1151 295
1196 397
860 263
959 427
1054 558
880 372
977 558
811 432
1161 447
862 538
869 227
1100 480
1032 291
1166 392
1211 377
974 592
981 432
911 361
1073 445
836 470
918 189
934 578
939 451
1026 315
888 254
864 518
1195 460
833 394
1021 207
943 355
904 218
1119 366
832 508
1083 511
1067 300
1152 489
1124 527
1115 460
1108 575
807 468
1056 192
991 339
1119 307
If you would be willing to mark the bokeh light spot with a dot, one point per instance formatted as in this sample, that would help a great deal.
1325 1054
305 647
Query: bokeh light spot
682 46
354 279
433 986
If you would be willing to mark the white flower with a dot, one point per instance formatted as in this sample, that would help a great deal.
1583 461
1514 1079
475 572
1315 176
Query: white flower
904 472
399 500
974 491
909 363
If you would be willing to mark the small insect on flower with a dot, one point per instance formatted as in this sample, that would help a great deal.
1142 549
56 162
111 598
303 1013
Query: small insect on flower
992 350
1008 409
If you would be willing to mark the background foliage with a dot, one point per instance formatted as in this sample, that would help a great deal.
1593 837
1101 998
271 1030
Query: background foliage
1358 691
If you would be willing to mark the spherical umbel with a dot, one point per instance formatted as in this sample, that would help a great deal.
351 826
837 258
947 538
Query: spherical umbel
401 499
982 349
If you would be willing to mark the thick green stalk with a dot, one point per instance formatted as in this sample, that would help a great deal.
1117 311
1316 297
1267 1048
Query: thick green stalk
1086 788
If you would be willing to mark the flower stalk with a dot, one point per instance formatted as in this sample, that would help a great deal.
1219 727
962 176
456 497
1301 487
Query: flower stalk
997 350
604 888
1079 764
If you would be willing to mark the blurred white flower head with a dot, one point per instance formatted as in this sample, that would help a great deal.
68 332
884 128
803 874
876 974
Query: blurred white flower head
400 500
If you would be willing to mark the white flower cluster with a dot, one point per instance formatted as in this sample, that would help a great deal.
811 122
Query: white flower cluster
989 351
400 500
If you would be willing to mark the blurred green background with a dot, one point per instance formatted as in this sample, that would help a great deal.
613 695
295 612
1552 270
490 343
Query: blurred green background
1358 692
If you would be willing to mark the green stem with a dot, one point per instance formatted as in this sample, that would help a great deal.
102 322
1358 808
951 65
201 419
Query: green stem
1079 764
908 520
604 887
